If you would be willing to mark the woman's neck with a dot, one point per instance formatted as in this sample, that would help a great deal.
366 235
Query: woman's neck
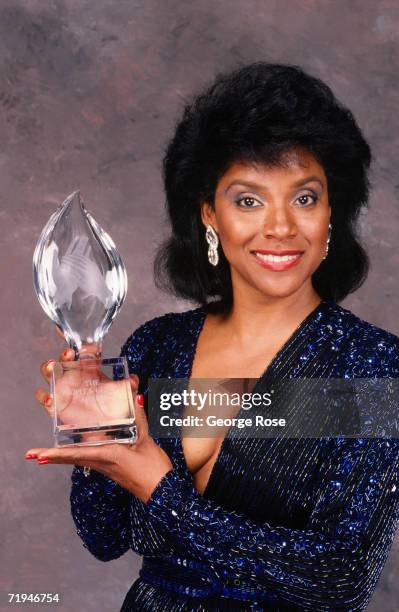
251 321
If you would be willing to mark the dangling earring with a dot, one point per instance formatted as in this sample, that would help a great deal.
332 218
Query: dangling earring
328 240
213 241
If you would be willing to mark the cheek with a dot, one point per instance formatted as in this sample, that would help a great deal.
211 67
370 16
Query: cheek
237 230
313 233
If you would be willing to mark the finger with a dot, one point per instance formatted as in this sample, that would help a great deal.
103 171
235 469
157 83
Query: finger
67 354
57 455
45 399
140 417
33 453
46 369
134 382
90 456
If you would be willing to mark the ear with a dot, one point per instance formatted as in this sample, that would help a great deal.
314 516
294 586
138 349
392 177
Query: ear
208 216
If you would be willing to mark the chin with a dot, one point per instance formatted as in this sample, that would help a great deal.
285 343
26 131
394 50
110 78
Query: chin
280 286
278 291
275 284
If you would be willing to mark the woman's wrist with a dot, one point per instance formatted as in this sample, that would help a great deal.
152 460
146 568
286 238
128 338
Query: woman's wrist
153 489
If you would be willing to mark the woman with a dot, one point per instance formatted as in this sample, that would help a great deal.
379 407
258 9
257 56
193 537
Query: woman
265 177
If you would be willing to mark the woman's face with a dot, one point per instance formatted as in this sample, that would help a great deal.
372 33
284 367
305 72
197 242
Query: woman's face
272 210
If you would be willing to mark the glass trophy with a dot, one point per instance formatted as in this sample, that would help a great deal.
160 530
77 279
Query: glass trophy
80 281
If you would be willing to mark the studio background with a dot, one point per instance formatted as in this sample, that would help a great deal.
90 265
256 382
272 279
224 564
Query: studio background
89 94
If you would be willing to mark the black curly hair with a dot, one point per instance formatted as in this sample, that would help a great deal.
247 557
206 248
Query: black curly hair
259 113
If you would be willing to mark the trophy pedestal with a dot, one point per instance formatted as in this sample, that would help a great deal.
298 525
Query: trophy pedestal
92 402
102 434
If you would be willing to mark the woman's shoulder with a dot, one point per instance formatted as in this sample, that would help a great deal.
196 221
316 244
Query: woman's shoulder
160 328
366 342
364 330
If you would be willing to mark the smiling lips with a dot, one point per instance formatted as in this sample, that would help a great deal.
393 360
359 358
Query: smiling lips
277 260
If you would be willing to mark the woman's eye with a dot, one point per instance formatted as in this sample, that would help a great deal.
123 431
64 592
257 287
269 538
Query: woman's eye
306 199
248 202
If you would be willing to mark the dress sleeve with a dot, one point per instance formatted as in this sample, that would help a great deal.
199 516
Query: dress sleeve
333 564
100 511
100 507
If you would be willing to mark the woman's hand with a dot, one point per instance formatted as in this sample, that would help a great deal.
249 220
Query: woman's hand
137 467
85 395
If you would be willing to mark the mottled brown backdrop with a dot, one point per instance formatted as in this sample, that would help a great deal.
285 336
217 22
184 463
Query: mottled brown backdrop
89 95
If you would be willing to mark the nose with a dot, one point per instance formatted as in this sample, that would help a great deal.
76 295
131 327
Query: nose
278 223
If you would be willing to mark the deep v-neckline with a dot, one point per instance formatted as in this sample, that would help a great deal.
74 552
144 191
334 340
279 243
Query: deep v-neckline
270 367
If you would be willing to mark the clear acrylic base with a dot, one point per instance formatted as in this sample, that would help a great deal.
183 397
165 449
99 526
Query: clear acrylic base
93 403
125 432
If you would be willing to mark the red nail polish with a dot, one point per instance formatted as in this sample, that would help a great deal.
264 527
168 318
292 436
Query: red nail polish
140 399
43 460
29 456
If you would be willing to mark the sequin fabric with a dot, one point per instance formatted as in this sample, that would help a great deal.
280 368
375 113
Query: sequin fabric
284 523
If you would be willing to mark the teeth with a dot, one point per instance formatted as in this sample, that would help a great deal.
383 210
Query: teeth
276 258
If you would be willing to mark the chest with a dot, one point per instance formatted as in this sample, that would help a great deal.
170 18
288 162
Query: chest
220 372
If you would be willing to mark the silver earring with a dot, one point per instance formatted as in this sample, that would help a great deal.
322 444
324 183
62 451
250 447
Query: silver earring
213 241
328 240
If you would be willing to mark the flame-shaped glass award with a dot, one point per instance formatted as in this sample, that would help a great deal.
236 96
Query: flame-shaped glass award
80 281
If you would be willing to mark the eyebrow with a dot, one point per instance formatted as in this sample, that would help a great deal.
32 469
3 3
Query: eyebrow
256 186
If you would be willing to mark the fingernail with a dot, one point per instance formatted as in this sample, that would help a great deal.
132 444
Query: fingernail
140 399
49 364
30 456
43 460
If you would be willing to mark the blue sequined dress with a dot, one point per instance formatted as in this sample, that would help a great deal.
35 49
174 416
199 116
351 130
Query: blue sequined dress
284 523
